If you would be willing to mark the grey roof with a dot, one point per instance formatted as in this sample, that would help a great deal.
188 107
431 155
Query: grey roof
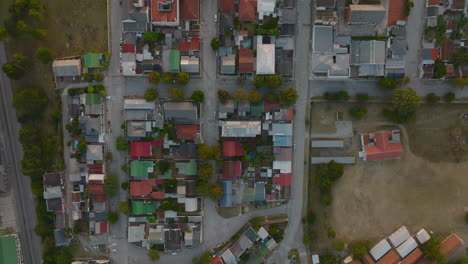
370 56
59 237
189 64
399 31
187 150
343 40
342 160
327 143
228 64
227 107
371 70
99 206
366 14
138 104
136 233
52 179
283 129
73 170
288 16
93 125
140 15
67 67
92 109
398 47
172 239
289 3
100 216
180 112
190 188
325 3
251 235
226 198
426 54
287 29
136 128
323 39
52 192
379 250
94 152
243 106
432 11
54 204
133 26
259 191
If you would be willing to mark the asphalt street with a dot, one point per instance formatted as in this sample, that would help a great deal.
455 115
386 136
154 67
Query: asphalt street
30 242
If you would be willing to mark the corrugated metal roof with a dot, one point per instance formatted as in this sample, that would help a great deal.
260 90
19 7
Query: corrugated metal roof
380 249
406 247
399 236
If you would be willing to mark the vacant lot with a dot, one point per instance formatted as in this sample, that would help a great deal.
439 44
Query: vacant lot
426 188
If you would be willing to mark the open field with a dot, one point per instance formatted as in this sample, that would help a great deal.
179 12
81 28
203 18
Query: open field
426 188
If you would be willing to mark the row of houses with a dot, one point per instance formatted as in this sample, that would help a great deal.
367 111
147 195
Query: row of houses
257 150
256 37
175 43
165 211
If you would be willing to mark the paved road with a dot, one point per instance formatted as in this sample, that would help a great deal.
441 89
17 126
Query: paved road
26 215
414 30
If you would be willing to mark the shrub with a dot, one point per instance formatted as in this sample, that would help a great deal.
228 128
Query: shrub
124 185
177 94
449 97
311 218
112 217
151 94
198 96
121 144
240 94
331 232
223 95
154 77
432 98
362 97
359 248
124 207
167 77
387 83
358 112
338 96
44 55
215 44
183 78
339 245
288 96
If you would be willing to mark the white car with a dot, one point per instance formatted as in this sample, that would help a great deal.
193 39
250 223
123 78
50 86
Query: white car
216 18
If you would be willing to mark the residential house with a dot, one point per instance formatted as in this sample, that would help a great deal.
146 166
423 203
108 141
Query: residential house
265 59
450 245
138 109
228 64
226 6
381 145
365 14
92 102
227 108
265 8
165 13
189 13
246 61
368 57
413 257
141 169
188 132
325 12
232 149
181 112
94 153
282 134
66 68
226 199
429 56
136 233
173 239
231 170
240 128
138 21
190 64
247 10
140 149
92 61
129 66
396 12
396 58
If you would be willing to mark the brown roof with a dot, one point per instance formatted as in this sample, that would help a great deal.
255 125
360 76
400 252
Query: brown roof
246 60
99 198
247 10
413 257
448 48
426 261
396 11
189 9
226 5
367 259
96 188
458 4
451 244
391 257
355 261
76 197
187 132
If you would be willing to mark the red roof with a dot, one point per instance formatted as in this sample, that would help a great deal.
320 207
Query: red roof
141 188
157 195
140 149
232 149
451 244
246 60
226 5
103 227
368 259
99 198
391 257
433 2
187 132
247 10
269 107
434 54
163 16
185 45
189 9
412 258
231 170
128 48
396 11
195 43
217 260
283 179
449 24
383 148
76 197
96 188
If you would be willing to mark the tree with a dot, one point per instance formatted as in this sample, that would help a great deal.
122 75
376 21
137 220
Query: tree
167 77
432 98
3 34
288 97
198 96
163 166
151 94
154 77
124 185
205 258
387 83
259 81
121 144
358 112
405 102
17 67
328 259
459 58
255 96
99 77
206 152
359 249
271 97
466 217
112 217
111 185
177 94
88 77
459 82
223 95
240 94
440 70
183 78
273 81
205 172
30 102
44 55
432 252
151 36
449 97
215 44
362 97
124 207
154 255
213 191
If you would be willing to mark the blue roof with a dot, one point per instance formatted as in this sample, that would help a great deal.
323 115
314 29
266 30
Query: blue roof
260 191
226 199
282 141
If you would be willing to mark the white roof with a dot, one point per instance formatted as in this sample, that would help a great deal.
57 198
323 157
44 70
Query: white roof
240 128
262 233
265 8
138 104
136 233
407 247
380 249
422 236
265 59
191 204
399 236
52 192
96 177
228 257
283 166
315 259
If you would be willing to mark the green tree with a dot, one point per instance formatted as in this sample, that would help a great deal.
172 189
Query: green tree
387 83
205 172
206 152
255 96
271 97
449 97
288 97
124 207
121 144
205 258
405 102
273 81
458 58
432 98
17 67
151 36
213 191
259 81
328 259
163 166
177 94
154 77
198 96
111 185
440 70
183 78
358 112
44 55
124 185
112 217
359 248
154 255
151 94
215 44
240 94
432 252
99 77
459 82
30 102
167 77
223 95
88 77
3 34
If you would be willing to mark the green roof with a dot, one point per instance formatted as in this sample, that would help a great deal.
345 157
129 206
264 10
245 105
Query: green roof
140 168
167 174
92 98
174 58
256 109
189 169
139 208
91 60
264 250
249 194
8 250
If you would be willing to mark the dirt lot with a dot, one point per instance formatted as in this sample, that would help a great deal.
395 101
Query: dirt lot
373 199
